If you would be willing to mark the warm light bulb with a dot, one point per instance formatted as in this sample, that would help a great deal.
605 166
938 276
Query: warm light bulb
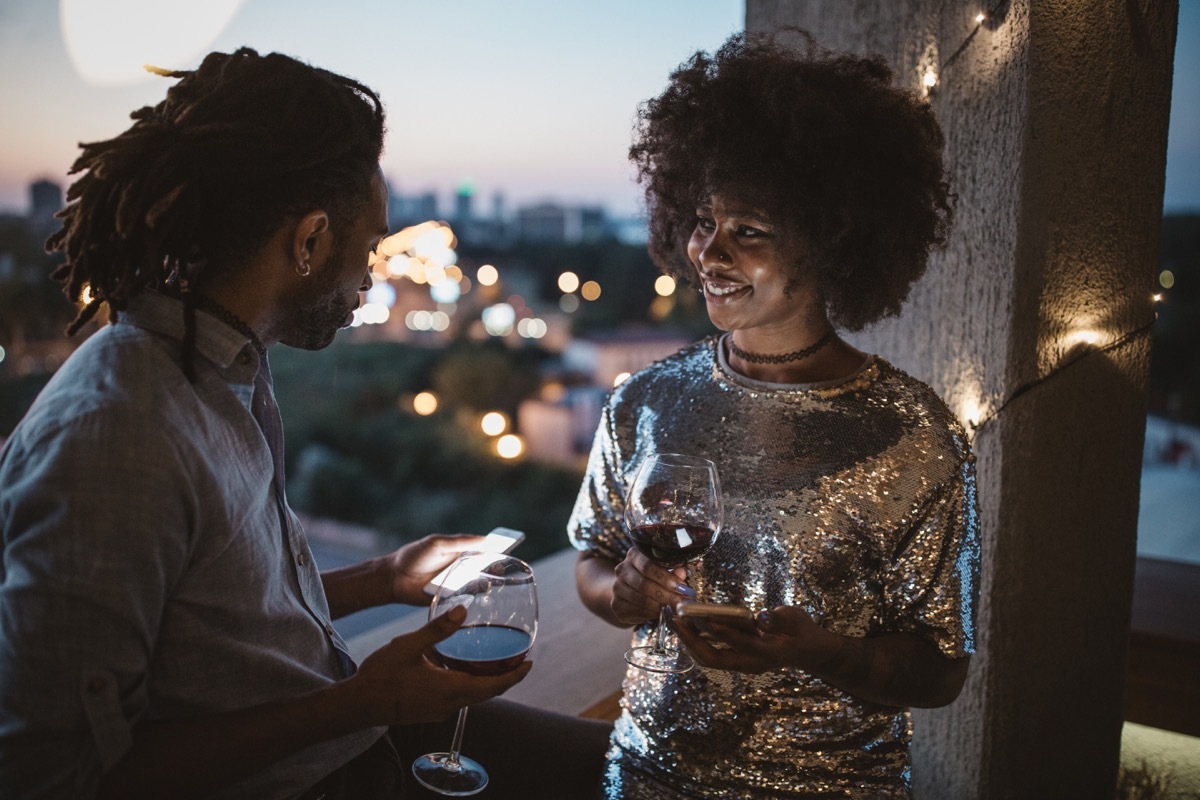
590 291
664 286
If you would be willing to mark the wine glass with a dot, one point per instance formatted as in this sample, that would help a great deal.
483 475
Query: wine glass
673 512
500 597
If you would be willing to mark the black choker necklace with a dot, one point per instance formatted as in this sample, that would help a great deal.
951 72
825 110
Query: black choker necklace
231 319
781 358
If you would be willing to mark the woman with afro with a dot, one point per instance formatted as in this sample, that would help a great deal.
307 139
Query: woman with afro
801 192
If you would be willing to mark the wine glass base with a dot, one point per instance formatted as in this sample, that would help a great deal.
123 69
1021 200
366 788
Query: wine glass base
439 773
653 660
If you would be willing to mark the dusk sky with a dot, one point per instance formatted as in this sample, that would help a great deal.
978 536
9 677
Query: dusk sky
535 98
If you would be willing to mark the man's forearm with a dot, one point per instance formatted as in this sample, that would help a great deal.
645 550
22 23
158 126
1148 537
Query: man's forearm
358 586
188 758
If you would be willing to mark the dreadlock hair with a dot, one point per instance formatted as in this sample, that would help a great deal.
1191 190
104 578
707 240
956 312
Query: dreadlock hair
205 177
847 164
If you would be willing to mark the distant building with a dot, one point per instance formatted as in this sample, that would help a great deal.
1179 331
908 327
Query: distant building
45 200
551 223
404 210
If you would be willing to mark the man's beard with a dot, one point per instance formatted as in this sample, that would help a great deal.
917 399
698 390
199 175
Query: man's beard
317 313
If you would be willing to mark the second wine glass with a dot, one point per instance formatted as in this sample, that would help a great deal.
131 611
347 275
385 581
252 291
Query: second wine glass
673 512
500 597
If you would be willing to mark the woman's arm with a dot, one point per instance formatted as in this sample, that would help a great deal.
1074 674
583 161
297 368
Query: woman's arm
897 669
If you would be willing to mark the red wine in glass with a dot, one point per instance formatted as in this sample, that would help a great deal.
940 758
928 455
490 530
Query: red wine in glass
500 597
485 649
670 545
673 513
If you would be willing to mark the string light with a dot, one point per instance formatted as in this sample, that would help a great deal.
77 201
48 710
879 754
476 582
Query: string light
975 427
932 74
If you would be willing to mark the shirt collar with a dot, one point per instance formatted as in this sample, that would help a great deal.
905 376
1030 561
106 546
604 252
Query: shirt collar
216 341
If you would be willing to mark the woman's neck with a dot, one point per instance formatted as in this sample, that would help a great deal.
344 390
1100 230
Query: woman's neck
824 357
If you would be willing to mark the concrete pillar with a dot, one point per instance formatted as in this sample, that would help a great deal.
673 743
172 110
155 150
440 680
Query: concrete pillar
1034 325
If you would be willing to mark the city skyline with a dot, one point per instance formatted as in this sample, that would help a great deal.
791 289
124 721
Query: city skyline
522 99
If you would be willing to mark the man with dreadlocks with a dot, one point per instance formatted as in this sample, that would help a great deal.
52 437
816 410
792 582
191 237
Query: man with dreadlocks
163 629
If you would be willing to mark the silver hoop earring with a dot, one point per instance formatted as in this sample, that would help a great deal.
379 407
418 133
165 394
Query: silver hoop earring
303 269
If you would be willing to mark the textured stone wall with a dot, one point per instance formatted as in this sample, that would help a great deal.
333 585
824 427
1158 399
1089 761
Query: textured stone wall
1055 115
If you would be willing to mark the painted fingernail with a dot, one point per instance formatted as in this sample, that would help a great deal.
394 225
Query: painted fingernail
686 590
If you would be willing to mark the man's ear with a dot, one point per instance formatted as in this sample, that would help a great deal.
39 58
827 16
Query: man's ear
310 240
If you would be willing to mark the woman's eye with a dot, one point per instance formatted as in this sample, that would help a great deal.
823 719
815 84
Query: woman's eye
747 231
704 223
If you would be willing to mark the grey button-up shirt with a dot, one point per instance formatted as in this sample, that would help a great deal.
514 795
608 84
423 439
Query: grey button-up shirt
146 573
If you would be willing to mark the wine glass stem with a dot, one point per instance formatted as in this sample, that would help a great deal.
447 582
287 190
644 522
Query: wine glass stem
660 632
456 745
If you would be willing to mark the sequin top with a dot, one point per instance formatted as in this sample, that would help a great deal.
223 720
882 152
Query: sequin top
854 499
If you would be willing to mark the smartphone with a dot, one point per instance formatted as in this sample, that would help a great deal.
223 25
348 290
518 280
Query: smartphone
500 540
701 614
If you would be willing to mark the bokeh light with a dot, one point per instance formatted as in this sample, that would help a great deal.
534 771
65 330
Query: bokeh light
664 286
509 446
590 291
425 403
568 282
493 423
487 275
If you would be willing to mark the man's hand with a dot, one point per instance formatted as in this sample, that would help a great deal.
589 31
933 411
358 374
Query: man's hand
398 685
413 565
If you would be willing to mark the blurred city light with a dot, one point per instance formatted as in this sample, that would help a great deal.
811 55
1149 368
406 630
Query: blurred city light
374 313
498 319
1166 279
382 294
568 282
425 403
532 328
509 446
445 291
590 291
569 303
493 423
664 286
487 275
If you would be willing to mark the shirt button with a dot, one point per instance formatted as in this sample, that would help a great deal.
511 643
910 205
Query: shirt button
302 559
328 629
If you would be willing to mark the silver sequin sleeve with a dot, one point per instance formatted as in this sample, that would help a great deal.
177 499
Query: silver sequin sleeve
854 500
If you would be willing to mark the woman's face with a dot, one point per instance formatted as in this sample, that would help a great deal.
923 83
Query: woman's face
745 269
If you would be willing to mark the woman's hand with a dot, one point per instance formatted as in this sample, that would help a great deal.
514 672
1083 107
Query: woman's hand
642 588
628 592
784 637
895 669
